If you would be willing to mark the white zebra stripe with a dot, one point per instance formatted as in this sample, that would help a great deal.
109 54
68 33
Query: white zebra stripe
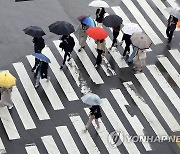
94 75
165 86
31 92
141 20
84 136
49 89
103 133
32 149
176 55
22 109
50 144
2 148
145 109
60 76
134 121
158 102
118 125
67 140
170 69
8 124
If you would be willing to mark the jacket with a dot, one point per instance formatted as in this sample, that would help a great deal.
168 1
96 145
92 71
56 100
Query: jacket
96 111
38 44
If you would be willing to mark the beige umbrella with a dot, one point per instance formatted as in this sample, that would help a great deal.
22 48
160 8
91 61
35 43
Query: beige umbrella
141 40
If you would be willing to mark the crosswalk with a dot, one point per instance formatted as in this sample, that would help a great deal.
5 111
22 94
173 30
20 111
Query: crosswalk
144 95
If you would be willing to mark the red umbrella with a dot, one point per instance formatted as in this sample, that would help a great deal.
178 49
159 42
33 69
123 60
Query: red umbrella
97 33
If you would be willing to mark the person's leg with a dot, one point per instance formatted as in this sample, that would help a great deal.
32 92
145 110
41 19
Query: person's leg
167 31
36 64
170 35
127 48
99 58
89 121
133 54
64 60
38 79
69 55
97 123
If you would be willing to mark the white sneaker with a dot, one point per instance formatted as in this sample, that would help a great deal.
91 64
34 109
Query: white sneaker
10 107
36 86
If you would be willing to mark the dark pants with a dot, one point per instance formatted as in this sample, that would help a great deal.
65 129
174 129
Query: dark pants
115 35
99 57
127 48
37 61
65 56
169 33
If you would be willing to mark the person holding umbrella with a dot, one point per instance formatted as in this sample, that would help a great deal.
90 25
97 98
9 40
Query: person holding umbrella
67 45
95 110
36 33
100 12
126 38
171 26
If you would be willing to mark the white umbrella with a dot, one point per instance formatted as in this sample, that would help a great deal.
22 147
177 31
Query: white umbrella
99 3
173 11
131 28
91 99
141 40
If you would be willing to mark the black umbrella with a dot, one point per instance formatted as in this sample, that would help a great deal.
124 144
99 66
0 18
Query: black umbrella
61 28
112 21
34 31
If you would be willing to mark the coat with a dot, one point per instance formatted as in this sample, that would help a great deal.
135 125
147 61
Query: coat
100 14
81 34
101 46
38 44
6 97
67 43
172 21
96 111
43 68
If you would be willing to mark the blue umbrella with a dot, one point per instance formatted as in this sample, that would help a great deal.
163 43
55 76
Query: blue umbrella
91 99
42 57
87 20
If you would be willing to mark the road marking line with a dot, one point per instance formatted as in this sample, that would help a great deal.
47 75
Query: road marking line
31 92
22 109
67 140
8 124
32 149
145 109
176 55
84 136
2 148
118 125
158 102
50 144
134 121
60 76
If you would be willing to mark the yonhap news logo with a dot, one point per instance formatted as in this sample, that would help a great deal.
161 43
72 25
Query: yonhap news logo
116 138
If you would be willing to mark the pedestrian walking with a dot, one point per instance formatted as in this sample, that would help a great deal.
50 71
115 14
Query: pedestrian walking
94 114
115 35
101 49
139 60
81 35
171 26
100 12
41 72
67 45
128 42
39 44
6 97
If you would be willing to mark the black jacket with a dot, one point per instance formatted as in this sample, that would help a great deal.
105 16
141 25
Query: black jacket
43 68
127 39
38 44
67 43
96 111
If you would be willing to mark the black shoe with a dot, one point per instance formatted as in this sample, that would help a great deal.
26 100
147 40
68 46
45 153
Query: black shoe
69 59
79 50
61 67
32 70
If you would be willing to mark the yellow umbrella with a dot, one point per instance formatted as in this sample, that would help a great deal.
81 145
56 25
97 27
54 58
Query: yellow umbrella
7 79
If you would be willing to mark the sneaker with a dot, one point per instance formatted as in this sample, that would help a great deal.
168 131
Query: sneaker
96 65
10 107
79 50
36 86
48 79
61 67
69 59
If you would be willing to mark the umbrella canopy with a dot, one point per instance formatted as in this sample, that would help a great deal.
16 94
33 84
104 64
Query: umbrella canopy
141 40
173 11
87 20
112 21
97 33
61 28
34 31
131 28
42 57
91 99
99 3
7 79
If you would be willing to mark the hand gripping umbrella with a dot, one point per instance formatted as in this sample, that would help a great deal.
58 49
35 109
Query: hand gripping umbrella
34 31
61 28
91 99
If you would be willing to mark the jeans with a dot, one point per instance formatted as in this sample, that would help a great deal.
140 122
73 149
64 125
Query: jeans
133 54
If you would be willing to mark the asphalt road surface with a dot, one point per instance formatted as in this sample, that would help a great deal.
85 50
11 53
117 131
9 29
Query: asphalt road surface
51 119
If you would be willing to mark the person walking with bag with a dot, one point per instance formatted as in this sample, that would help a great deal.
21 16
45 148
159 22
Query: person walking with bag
94 114
67 45
101 49
6 97
171 26
39 44
100 12
81 35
